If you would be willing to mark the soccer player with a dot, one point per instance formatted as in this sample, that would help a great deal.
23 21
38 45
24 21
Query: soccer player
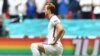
53 46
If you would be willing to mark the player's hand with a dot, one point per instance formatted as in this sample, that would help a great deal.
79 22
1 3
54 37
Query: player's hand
53 43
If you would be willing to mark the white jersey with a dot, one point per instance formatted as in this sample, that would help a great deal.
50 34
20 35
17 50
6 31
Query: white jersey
52 50
52 32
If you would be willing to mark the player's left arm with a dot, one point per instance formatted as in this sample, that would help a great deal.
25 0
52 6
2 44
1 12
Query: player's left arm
60 33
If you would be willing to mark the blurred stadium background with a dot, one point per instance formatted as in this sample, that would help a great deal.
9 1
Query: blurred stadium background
23 22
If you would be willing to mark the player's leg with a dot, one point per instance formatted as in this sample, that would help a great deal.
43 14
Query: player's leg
37 48
57 55
59 51
43 54
53 49
34 48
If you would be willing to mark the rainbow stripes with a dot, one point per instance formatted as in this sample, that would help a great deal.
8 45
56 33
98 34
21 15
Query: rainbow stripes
22 46
17 46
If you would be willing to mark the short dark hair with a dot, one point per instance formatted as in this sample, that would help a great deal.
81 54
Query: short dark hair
51 7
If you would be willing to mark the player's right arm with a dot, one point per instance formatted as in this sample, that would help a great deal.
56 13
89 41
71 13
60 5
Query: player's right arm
60 30
60 33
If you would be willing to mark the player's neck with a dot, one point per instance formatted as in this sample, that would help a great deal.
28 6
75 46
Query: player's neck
51 16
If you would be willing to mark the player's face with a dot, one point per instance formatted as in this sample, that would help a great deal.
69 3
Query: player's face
46 12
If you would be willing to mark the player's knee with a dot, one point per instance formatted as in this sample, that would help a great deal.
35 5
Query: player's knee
41 48
34 45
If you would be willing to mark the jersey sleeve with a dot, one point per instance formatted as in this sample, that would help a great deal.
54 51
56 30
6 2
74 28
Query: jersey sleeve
55 21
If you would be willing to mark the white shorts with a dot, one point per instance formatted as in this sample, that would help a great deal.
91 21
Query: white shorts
53 50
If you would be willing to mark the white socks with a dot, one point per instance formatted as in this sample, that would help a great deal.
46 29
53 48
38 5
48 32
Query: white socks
35 50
